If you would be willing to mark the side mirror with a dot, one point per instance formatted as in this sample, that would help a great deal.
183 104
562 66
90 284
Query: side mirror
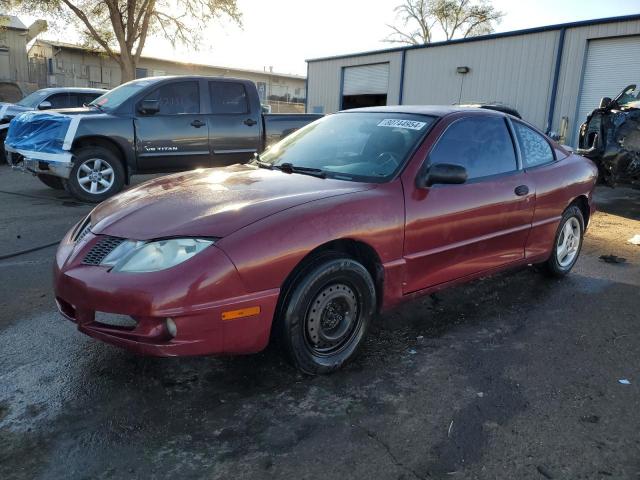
444 173
45 105
149 107
604 102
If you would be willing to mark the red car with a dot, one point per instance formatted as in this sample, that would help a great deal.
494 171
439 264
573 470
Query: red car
350 215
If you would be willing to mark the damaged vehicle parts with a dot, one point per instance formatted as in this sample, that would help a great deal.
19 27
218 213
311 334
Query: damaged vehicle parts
611 138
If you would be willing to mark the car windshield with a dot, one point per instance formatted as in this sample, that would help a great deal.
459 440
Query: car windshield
116 97
630 98
358 146
33 100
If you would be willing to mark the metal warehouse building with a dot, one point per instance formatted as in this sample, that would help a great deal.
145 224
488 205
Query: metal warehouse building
554 76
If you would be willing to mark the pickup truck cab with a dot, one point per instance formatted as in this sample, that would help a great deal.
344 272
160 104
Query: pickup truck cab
150 125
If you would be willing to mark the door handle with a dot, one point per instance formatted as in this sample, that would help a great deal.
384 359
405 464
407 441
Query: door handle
521 190
198 123
250 122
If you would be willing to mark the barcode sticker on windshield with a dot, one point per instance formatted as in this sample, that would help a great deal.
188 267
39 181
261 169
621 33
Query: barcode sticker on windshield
396 123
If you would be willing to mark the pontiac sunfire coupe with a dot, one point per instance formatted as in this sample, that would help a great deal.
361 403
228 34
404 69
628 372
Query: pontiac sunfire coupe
352 214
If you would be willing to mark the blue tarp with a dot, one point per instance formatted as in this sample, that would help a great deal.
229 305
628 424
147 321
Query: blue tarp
41 135
38 132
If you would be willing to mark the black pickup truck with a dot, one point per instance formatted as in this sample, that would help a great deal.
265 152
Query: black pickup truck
150 125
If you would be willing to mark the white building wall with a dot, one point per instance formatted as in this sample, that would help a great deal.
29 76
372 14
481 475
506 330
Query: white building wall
517 71
571 71
326 76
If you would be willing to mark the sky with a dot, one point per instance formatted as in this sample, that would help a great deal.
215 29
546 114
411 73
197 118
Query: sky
284 33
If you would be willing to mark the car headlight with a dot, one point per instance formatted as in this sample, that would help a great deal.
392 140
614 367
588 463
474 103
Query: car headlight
135 256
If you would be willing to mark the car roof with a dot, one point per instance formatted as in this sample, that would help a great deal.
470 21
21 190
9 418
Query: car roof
73 90
163 78
431 110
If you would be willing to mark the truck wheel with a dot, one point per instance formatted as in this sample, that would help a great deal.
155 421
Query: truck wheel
96 175
326 314
52 182
567 243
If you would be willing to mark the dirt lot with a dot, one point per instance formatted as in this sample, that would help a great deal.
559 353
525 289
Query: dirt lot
512 377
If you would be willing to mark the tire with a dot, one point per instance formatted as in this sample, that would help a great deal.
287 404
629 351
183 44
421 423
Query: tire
323 339
571 226
95 168
51 181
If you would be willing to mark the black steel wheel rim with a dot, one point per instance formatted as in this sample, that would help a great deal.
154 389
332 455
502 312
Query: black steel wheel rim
333 319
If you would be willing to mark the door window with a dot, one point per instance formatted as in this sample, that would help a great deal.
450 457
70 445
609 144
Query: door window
228 97
87 98
534 148
482 145
74 100
177 98
59 100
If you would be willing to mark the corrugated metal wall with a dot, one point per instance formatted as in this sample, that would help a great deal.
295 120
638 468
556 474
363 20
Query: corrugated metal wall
517 70
572 66
325 77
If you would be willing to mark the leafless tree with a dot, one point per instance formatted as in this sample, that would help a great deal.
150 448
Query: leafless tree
121 27
420 19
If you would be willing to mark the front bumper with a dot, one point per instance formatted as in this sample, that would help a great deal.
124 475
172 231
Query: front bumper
37 164
194 295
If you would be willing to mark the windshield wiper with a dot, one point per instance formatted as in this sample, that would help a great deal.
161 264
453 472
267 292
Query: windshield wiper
256 160
290 168
96 106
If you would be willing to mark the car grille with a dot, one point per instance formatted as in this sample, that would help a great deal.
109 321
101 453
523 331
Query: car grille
101 249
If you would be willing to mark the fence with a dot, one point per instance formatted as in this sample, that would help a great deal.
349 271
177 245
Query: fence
285 107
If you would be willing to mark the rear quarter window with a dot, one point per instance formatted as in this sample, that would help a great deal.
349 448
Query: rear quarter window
534 148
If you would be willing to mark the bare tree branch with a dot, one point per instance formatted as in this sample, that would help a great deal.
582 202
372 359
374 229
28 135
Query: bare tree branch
454 18
121 27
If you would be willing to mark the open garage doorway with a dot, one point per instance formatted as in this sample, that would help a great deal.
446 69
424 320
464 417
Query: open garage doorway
365 86
358 101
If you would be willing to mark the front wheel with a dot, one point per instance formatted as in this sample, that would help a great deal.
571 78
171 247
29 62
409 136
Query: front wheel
96 175
567 243
327 314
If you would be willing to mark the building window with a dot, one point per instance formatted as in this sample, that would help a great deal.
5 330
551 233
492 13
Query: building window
141 72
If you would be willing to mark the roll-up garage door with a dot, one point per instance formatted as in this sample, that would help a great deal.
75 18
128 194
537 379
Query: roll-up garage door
366 79
612 64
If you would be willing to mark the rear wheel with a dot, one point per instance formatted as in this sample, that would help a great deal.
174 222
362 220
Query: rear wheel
96 175
51 181
567 243
326 314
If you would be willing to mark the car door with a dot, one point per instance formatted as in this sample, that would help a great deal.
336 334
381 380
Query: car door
234 131
549 178
453 231
174 138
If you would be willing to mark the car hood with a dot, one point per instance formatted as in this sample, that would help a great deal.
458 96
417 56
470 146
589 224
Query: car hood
10 110
210 202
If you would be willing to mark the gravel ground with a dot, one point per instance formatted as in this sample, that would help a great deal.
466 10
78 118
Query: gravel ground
513 376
